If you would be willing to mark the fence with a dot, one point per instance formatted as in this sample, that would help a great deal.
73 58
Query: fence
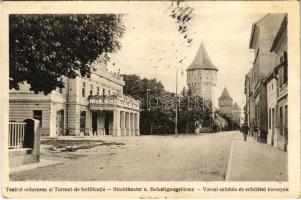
16 134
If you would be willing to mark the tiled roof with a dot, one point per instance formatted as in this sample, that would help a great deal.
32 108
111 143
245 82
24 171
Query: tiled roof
225 94
279 33
202 60
236 106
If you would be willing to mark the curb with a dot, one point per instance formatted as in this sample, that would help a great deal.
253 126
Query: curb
229 167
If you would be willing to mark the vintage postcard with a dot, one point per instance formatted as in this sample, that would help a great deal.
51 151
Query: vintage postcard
141 99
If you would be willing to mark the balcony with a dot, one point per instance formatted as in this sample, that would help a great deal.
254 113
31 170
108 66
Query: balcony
103 72
98 102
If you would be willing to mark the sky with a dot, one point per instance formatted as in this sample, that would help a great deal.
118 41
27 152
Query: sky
152 48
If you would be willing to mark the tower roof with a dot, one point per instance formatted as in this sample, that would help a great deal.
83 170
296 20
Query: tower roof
202 60
236 106
225 94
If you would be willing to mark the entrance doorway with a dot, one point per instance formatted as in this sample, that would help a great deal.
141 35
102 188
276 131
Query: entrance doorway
60 122
108 122
94 122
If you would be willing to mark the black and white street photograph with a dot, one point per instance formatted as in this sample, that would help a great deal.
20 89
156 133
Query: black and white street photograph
167 92
148 97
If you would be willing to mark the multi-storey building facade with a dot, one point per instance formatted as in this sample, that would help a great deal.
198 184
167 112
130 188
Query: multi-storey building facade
276 84
90 106
201 75
271 85
261 40
250 103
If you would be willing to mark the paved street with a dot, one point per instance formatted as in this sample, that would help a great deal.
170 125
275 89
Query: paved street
144 158
206 157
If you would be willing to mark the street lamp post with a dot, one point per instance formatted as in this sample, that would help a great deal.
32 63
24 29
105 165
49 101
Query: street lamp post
148 109
176 118
147 103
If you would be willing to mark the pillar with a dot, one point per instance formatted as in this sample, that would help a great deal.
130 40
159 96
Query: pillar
122 123
128 124
88 125
74 119
133 124
100 123
116 123
52 124
137 131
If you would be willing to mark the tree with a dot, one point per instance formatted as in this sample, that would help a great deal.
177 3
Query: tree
155 120
192 110
43 48
229 120
161 119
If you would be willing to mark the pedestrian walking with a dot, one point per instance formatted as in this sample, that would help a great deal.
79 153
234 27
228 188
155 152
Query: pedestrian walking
245 130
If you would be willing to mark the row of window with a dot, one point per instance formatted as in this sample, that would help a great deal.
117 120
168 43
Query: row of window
198 72
205 77
229 101
199 83
38 115
98 92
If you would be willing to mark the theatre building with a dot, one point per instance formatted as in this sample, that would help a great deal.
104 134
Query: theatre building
86 106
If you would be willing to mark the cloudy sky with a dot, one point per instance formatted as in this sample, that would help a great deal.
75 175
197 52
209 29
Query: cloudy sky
152 47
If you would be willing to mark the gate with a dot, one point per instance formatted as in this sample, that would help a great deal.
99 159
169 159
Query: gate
16 132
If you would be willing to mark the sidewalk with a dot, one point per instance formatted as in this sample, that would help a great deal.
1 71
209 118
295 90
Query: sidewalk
253 161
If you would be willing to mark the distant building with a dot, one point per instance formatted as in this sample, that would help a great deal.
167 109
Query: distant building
89 106
226 107
250 102
201 75
221 123
276 84
236 112
225 103
261 40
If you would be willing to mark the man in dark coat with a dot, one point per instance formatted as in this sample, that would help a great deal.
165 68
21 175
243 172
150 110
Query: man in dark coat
245 130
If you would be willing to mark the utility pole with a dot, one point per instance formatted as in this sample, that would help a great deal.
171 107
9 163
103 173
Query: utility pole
148 109
212 109
203 98
176 118
67 107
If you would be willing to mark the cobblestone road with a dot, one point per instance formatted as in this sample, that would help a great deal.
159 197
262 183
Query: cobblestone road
144 158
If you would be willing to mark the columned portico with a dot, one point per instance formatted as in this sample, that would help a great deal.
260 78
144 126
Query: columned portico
120 115
91 106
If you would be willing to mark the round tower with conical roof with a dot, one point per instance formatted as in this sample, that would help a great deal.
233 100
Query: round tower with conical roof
201 75
225 103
